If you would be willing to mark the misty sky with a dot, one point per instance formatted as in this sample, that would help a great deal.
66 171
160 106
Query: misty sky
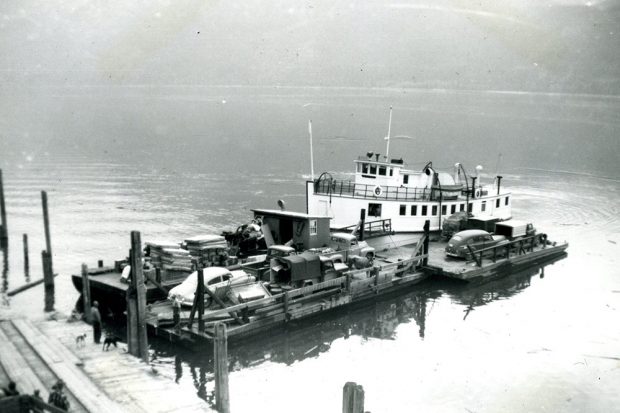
115 77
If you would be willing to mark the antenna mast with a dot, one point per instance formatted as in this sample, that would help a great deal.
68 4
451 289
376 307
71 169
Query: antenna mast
387 138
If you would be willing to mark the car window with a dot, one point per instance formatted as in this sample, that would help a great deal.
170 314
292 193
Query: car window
226 277
215 280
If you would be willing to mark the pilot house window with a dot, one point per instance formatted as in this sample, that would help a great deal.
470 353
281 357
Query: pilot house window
364 168
373 169
382 170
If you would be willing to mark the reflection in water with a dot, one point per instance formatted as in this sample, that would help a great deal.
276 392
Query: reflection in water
377 319
5 274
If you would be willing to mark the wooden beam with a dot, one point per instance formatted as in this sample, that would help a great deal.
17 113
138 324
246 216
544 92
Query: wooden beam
200 297
25 287
86 293
137 283
48 280
46 225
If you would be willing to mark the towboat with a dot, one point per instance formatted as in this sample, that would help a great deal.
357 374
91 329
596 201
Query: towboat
395 194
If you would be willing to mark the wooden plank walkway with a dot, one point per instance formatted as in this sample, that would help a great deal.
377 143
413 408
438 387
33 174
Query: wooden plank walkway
36 355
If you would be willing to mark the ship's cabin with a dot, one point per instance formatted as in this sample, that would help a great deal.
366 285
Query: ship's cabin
370 170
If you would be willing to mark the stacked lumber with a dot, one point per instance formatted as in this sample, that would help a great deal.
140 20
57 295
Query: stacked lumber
156 250
208 250
176 259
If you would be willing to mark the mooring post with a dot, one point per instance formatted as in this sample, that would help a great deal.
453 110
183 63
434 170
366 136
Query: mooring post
46 224
352 398
136 303
86 293
48 281
200 290
26 258
427 227
362 223
220 351
4 232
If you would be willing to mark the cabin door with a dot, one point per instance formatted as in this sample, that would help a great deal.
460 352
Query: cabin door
286 231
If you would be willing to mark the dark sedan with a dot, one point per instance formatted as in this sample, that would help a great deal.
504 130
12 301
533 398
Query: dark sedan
477 239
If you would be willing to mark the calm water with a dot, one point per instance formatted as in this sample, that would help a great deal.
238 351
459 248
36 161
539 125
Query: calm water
543 340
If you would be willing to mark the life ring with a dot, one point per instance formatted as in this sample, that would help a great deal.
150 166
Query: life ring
378 191
477 193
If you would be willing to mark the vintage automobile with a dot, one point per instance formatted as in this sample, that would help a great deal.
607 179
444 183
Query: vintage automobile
460 243
217 279
341 241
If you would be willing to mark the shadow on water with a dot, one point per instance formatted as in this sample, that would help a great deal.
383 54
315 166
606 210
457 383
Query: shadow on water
377 319
5 273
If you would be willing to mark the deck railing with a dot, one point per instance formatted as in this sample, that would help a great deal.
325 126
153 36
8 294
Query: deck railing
520 246
351 189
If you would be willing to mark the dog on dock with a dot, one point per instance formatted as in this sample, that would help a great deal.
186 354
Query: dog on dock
80 341
108 341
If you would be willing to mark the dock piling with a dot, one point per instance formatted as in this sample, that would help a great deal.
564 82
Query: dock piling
48 281
200 291
220 351
136 303
86 293
352 398
427 228
46 224
26 258
4 232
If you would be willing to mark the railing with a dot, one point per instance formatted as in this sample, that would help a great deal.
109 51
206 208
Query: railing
372 228
351 189
521 246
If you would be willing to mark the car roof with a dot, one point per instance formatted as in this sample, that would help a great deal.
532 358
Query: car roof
212 272
471 233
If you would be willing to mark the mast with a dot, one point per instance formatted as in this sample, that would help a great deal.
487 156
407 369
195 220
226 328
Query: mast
311 154
387 138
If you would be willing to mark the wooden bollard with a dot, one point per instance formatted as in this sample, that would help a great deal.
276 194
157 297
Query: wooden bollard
352 398
46 224
26 258
4 232
48 281
86 293
137 341
220 351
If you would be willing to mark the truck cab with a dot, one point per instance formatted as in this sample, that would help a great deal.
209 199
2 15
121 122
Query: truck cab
341 241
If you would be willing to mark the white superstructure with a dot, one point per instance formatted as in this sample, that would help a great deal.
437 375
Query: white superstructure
387 189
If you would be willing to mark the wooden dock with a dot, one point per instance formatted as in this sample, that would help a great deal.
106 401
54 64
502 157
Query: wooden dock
36 355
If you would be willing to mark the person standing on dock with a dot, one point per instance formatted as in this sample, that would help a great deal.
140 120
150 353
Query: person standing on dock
96 319
57 397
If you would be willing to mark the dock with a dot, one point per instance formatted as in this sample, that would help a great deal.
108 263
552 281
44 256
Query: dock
36 354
